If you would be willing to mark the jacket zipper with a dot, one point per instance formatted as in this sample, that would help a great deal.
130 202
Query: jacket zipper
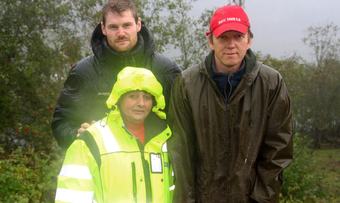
147 179
145 165
228 94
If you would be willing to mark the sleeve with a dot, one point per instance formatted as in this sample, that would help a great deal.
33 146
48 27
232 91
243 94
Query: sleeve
181 144
170 76
78 176
166 71
65 121
276 151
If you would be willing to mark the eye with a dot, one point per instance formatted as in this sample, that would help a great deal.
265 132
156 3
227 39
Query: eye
127 25
113 27
239 36
147 96
132 95
223 37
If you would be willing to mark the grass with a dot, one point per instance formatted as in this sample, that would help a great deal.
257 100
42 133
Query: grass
328 163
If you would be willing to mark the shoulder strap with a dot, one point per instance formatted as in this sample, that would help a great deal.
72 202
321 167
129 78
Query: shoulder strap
92 145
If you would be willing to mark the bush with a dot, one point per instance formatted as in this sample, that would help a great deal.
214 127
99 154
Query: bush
301 180
29 176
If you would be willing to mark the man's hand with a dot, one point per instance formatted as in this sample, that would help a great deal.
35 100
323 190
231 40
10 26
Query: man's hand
83 127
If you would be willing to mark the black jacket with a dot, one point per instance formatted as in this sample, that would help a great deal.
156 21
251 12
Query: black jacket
83 97
230 150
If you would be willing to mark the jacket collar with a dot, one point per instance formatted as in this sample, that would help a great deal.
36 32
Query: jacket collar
251 66
153 124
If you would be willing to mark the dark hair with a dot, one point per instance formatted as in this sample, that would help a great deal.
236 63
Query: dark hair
251 35
119 6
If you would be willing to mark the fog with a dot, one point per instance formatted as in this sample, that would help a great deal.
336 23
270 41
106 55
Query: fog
280 25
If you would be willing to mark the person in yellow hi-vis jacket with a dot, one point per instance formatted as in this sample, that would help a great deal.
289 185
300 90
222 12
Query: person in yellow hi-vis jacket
123 157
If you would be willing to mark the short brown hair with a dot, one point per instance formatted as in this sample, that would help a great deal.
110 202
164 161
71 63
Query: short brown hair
119 6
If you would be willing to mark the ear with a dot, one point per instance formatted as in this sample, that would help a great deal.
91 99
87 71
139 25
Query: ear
103 28
210 41
250 41
139 24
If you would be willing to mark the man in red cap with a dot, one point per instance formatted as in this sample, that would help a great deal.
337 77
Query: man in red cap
231 120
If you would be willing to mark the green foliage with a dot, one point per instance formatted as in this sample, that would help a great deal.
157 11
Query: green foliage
314 95
28 175
31 66
321 102
328 163
188 33
315 100
39 41
175 31
34 60
302 183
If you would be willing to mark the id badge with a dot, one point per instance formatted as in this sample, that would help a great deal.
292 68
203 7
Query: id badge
156 163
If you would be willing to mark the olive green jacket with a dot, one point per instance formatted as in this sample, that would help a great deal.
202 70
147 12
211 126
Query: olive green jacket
235 150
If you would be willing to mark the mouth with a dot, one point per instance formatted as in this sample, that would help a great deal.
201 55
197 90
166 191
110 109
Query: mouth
139 111
231 55
121 41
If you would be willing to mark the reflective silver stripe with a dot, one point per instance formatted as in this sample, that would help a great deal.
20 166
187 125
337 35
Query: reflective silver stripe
74 196
110 143
164 148
75 171
172 187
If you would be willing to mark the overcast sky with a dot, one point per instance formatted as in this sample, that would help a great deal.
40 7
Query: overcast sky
280 25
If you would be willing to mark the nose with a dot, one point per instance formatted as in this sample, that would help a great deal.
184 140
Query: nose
120 31
141 100
230 42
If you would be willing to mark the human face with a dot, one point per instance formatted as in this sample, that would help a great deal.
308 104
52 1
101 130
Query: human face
135 106
230 49
121 30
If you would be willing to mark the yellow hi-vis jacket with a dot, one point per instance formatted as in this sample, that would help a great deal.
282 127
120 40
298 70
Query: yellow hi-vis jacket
108 164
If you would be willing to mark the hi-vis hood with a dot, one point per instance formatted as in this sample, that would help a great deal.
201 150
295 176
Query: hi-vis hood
132 79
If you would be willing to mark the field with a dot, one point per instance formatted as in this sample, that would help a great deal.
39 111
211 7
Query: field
328 163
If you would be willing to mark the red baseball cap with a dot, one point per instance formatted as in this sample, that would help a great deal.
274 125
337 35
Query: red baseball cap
229 18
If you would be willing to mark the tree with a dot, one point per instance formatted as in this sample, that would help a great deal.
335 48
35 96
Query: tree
175 30
324 42
311 111
323 101
188 34
322 98
35 37
238 2
30 57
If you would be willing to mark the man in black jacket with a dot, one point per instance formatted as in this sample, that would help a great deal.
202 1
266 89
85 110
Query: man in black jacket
120 40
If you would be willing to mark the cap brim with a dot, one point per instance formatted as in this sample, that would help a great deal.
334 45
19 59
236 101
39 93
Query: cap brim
238 27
